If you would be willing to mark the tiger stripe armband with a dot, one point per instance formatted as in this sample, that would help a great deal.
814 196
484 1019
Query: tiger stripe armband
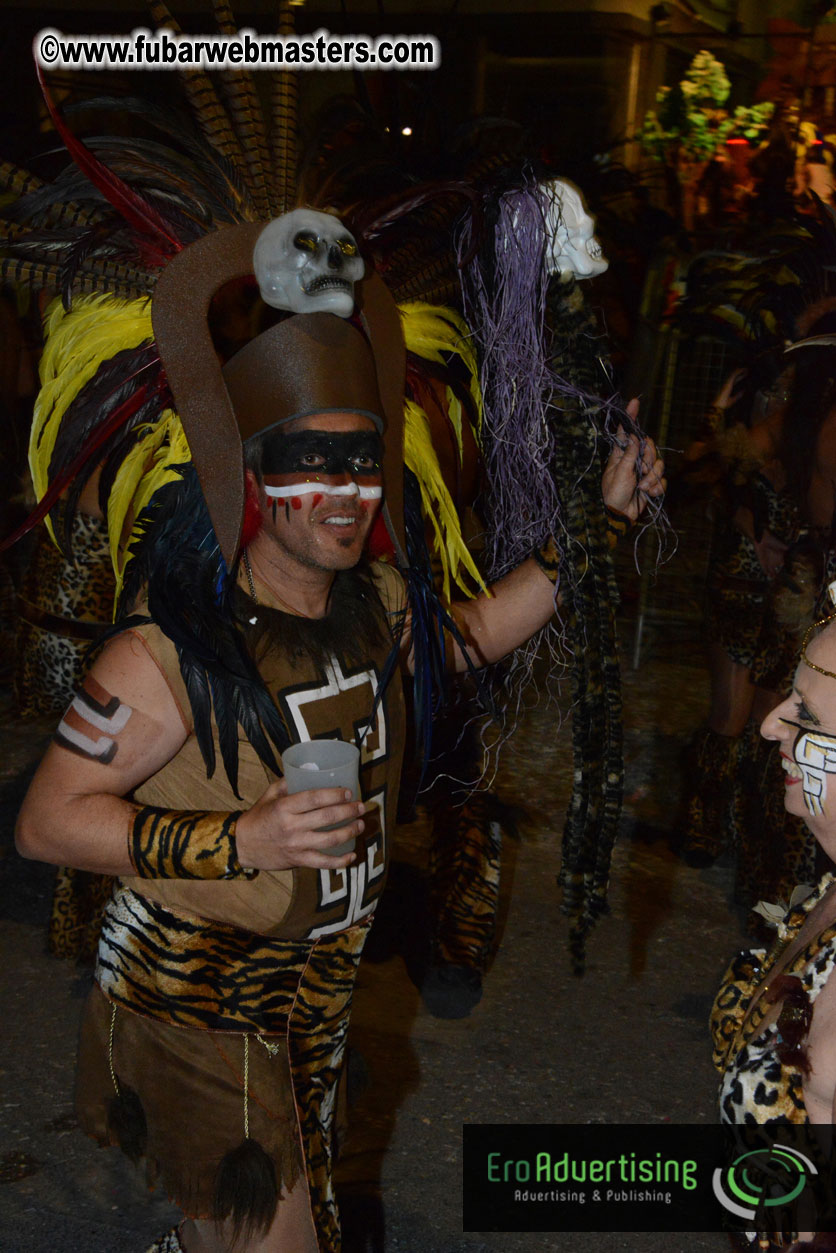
547 555
618 525
185 844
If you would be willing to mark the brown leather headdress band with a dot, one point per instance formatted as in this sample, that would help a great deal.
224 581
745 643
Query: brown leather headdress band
311 363
213 427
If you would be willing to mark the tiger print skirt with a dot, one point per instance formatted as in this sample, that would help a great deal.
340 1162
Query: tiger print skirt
190 1082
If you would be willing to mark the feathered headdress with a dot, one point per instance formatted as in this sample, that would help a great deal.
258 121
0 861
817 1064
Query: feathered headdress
137 235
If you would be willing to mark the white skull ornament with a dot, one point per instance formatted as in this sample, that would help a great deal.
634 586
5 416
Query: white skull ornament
570 232
307 262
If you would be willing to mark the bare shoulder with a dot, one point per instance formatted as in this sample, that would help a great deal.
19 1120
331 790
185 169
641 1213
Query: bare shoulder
136 663
123 724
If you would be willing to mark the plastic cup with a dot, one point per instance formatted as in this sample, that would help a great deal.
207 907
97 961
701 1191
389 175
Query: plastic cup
324 763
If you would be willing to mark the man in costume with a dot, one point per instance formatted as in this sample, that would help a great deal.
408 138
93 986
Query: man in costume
227 959
238 506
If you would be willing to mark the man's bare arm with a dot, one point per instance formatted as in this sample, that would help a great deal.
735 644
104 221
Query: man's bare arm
494 626
123 727
523 601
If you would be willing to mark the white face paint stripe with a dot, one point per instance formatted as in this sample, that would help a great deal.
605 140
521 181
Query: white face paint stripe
311 489
113 725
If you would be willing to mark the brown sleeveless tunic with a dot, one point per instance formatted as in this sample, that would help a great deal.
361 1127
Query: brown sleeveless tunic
270 960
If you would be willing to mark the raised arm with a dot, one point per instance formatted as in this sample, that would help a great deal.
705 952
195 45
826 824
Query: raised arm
523 601
123 727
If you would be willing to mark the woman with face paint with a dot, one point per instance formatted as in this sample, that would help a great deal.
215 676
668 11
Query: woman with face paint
772 558
774 1020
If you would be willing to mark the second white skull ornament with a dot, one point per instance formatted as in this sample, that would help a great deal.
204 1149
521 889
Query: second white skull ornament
571 244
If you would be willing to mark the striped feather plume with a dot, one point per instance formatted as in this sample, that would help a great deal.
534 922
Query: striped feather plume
206 106
283 114
241 95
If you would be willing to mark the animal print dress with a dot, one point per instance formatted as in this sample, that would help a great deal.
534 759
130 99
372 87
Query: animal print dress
63 607
756 1087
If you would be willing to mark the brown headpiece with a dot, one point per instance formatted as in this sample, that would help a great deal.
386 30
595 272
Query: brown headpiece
305 364
311 363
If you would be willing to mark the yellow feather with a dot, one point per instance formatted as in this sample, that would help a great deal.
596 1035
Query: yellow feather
435 331
149 465
437 504
77 344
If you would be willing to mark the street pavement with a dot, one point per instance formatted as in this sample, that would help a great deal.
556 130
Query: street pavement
627 1043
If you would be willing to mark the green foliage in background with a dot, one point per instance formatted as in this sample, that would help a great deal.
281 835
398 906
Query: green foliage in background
690 122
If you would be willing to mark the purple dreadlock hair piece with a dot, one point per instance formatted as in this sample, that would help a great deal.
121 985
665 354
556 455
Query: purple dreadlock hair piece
542 449
504 294
506 311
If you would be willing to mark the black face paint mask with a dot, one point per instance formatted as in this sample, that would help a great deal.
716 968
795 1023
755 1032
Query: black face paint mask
357 453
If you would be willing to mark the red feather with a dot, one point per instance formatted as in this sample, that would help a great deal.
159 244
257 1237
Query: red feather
134 208
379 545
253 518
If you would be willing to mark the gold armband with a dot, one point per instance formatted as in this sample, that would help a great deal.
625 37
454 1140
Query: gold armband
547 555
185 844
618 524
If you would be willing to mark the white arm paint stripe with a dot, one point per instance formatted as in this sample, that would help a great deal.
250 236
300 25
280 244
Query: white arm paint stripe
114 724
311 489
95 748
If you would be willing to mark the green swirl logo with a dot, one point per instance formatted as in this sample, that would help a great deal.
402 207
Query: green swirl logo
762 1178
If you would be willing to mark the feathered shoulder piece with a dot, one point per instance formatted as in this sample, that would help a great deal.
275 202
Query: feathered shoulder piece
442 420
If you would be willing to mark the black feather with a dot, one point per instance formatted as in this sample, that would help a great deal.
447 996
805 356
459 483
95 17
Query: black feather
126 1122
176 561
198 690
430 623
246 1192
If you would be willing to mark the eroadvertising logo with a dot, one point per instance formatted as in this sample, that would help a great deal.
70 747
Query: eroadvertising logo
762 1179
649 1177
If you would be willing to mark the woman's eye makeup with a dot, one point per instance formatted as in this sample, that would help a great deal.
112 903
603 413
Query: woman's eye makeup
802 715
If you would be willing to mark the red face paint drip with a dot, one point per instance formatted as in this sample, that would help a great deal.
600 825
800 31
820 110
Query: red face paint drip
295 502
316 500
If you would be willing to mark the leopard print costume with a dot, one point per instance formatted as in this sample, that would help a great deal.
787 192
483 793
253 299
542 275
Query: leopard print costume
735 787
465 863
738 588
63 607
756 1087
